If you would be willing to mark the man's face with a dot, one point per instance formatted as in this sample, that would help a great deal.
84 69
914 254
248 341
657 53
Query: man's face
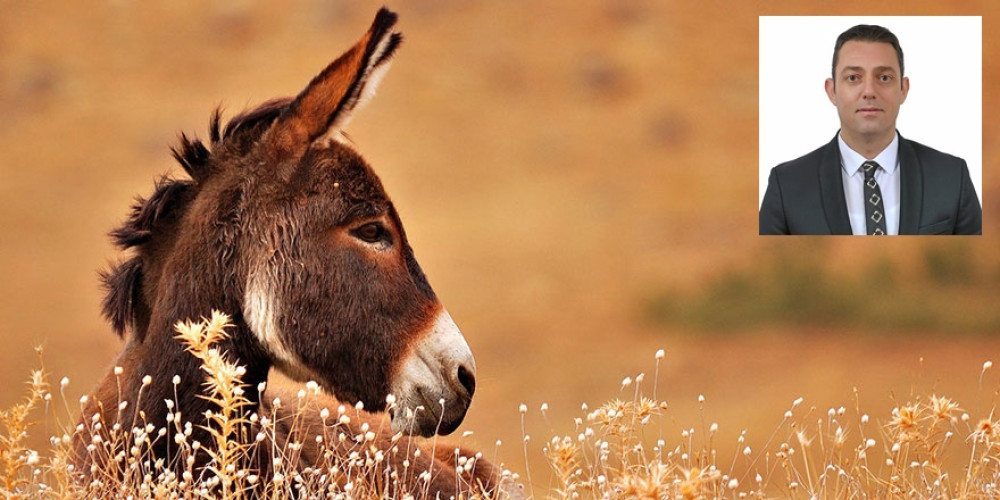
868 90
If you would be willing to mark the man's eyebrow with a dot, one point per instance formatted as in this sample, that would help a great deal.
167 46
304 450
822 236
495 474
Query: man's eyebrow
877 69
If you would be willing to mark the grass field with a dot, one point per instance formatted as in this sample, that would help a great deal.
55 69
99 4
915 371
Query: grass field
925 446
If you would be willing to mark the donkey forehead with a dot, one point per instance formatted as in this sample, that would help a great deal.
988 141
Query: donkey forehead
335 176
335 167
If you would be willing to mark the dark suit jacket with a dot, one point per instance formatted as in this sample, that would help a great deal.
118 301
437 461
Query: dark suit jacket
806 195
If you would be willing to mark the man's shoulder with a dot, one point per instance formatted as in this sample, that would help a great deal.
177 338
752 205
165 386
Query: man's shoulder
806 163
933 157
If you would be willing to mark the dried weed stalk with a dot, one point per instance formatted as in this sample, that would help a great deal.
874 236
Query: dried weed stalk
926 448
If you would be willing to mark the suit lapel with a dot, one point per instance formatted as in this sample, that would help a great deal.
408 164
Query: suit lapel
911 186
831 187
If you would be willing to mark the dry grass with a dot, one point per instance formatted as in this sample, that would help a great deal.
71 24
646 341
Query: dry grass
926 448
929 447
347 467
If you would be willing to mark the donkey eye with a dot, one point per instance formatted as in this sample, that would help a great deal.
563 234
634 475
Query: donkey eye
373 232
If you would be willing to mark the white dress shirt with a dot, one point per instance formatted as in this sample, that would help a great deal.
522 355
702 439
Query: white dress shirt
887 177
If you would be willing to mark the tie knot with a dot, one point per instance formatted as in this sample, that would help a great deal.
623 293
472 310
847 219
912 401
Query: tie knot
869 168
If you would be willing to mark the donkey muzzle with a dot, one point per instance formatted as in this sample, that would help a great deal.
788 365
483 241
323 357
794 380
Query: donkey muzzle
435 383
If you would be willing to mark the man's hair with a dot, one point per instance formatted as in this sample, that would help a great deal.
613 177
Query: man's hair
867 33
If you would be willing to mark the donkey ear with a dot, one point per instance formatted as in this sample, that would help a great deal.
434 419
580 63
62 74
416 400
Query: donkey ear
327 103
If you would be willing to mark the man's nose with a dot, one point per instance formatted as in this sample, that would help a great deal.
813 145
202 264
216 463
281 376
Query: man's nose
868 90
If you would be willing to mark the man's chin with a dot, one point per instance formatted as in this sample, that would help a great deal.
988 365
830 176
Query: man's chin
868 131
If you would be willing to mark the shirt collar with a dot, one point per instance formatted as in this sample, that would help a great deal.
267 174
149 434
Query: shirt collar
851 160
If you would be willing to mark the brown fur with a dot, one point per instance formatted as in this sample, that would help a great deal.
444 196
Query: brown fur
269 204
441 460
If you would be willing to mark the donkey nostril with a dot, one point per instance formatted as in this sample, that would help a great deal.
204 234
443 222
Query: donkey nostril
467 379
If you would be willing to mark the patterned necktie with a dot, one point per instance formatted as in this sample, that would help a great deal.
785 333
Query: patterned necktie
874 213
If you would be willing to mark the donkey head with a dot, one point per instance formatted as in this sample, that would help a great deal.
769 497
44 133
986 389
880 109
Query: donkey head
284 222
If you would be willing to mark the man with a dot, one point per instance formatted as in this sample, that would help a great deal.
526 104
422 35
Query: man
869 179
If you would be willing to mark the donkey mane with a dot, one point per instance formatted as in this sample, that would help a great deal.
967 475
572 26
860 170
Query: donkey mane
123 304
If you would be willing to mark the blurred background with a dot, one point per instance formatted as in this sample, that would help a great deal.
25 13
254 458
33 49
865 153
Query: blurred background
578 179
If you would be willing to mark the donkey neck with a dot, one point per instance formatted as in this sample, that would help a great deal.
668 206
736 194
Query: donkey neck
174 375
189 271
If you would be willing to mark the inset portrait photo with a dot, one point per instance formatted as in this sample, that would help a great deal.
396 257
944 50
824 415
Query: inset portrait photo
870 125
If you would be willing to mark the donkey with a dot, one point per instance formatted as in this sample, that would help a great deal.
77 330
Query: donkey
283 225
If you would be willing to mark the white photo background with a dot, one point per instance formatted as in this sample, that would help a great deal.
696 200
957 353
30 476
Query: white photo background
942 58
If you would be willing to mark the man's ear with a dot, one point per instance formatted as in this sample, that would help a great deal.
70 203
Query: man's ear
906 89
831 88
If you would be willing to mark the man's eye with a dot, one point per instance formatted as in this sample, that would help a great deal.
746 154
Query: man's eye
852 78
886 78
373 232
